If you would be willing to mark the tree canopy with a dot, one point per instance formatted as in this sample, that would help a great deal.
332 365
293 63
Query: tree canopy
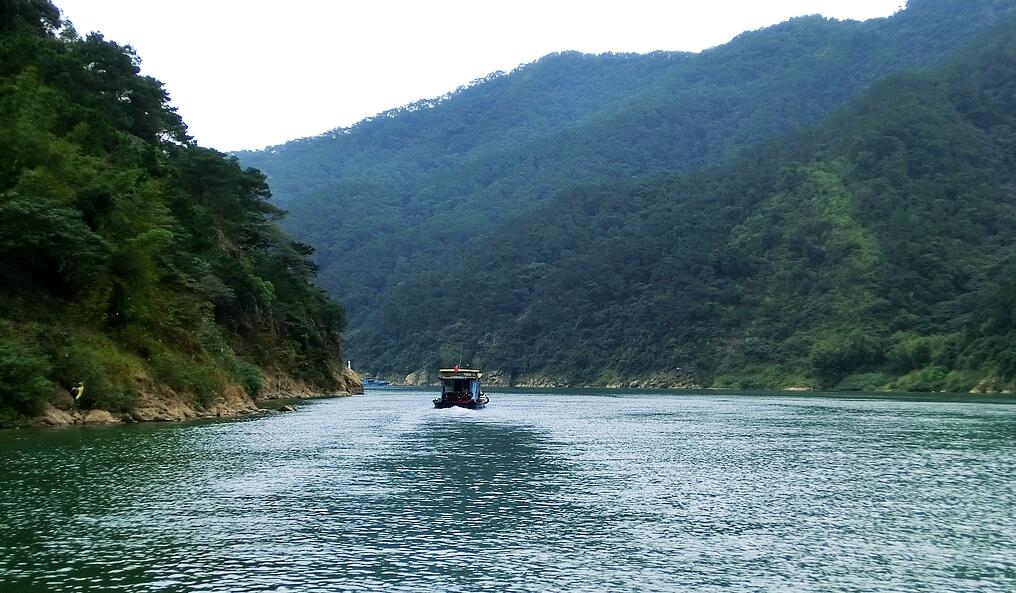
800 205
128 253
873 251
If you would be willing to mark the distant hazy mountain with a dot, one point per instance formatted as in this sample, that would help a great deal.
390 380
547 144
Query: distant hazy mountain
480 180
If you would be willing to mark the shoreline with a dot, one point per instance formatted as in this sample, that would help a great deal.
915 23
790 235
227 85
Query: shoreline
53 417
157 403
793 390
236 404
685 380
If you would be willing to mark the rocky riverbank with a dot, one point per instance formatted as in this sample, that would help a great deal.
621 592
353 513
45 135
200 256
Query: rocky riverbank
158 403
674 379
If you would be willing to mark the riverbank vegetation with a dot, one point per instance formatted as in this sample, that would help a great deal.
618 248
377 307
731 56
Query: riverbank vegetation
130 256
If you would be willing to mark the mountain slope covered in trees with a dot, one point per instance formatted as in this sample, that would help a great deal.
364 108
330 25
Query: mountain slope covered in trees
133 261
878 250
818 203
404 191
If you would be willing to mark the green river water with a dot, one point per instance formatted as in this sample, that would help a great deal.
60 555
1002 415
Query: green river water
560 491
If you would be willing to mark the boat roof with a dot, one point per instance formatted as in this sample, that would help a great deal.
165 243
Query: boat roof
459 373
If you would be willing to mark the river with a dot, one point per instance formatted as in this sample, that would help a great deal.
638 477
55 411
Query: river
561 491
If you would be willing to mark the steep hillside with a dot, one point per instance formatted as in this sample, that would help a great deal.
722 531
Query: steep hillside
133 261
875 251
397 194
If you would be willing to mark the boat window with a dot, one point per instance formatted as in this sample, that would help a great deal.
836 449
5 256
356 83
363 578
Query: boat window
456 385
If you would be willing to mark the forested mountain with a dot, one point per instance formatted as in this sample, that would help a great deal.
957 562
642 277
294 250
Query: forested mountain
404 191
877 250
819 203
134 261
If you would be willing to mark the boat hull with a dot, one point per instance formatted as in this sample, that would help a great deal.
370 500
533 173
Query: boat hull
469 405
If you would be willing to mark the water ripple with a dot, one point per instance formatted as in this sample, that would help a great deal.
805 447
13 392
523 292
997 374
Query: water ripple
539 492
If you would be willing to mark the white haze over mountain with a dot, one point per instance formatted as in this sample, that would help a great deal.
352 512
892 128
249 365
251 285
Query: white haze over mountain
249 73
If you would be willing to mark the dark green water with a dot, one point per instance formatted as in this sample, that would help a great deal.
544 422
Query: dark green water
555 492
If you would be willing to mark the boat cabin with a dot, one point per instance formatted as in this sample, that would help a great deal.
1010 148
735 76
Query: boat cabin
460 387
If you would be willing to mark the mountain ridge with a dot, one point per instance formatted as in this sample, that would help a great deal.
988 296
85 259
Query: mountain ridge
874 252
418 207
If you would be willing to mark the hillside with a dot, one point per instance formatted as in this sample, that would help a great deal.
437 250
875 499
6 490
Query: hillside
401 193
134 261
875 251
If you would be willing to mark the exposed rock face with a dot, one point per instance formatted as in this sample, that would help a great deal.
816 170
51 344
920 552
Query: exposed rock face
159 403
675 379
53 416
99 417
350 381
502 379
420 377
992 385
274 386
279 386
156 402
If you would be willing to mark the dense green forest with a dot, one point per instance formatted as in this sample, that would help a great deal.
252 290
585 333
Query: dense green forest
823 203
414 187
132 259
878 250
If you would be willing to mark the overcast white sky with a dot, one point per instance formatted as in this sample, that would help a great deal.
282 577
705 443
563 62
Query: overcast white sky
250 73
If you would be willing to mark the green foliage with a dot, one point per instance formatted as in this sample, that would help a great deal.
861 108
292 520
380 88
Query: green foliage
395 193
834 356
37 16
875 225
868 248
133 254
911 352
202 379
873 381
42 242
927 379
249 376
24 382
99 364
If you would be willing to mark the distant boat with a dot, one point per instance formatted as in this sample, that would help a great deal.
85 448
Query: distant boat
460 388
372 382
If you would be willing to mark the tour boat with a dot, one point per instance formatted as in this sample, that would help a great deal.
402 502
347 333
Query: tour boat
460 388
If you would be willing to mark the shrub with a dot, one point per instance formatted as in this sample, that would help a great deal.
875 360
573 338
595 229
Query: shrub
197 378
837 355
249 376
909 352
926 380
864 382
24 385
101 366
50 243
